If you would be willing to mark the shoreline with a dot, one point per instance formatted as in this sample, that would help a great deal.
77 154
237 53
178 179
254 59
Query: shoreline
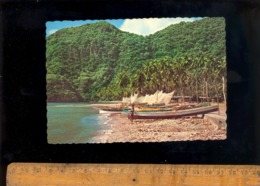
122 130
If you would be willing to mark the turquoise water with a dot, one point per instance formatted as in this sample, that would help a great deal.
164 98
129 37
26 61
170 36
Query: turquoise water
73 122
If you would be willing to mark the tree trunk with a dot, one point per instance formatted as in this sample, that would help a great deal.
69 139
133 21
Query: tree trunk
197 90
216 90
224 95
203 92
207 92
182 92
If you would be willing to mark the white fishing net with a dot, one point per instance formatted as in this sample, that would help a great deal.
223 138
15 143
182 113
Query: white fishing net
157 98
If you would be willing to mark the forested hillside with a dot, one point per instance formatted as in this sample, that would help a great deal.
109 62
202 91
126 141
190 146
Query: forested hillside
99 62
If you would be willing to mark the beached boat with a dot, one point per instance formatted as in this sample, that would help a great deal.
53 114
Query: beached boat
106 110
177 114
148 111
171 107
152 109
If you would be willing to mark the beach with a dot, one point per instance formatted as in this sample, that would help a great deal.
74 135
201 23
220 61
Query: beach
121 129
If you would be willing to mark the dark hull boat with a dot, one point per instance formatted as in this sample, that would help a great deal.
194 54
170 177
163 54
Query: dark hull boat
177 114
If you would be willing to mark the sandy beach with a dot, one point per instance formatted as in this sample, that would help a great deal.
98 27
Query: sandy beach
121 129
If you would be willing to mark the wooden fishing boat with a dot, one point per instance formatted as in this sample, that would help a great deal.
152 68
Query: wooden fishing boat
156 105
149 111
107 110
190 106
170 115
167 108
152 109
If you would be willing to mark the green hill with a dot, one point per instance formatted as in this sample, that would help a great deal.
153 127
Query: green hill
99 62
206 35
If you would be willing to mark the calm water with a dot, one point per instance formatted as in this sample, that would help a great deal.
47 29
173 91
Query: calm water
73 122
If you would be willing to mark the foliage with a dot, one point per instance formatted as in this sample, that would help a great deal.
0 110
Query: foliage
99 62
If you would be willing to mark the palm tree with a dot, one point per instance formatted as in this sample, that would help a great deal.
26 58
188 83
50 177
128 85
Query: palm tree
180 69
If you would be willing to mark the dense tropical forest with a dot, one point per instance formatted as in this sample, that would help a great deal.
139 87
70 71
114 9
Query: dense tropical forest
97 61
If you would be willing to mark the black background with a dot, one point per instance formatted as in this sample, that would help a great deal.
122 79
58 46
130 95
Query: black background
23 81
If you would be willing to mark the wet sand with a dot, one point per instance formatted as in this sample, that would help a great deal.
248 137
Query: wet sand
121 129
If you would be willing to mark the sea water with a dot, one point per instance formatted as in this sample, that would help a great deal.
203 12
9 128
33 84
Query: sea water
73 123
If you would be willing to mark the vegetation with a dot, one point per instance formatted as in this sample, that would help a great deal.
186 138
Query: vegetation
99 62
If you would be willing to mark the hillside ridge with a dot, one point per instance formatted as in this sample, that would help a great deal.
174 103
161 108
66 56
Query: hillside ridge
84 62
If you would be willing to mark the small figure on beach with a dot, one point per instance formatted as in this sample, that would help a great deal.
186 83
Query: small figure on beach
132 112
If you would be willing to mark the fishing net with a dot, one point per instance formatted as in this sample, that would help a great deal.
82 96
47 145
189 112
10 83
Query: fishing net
157 98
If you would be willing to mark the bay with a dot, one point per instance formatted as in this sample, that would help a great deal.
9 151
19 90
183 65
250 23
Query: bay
70 123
